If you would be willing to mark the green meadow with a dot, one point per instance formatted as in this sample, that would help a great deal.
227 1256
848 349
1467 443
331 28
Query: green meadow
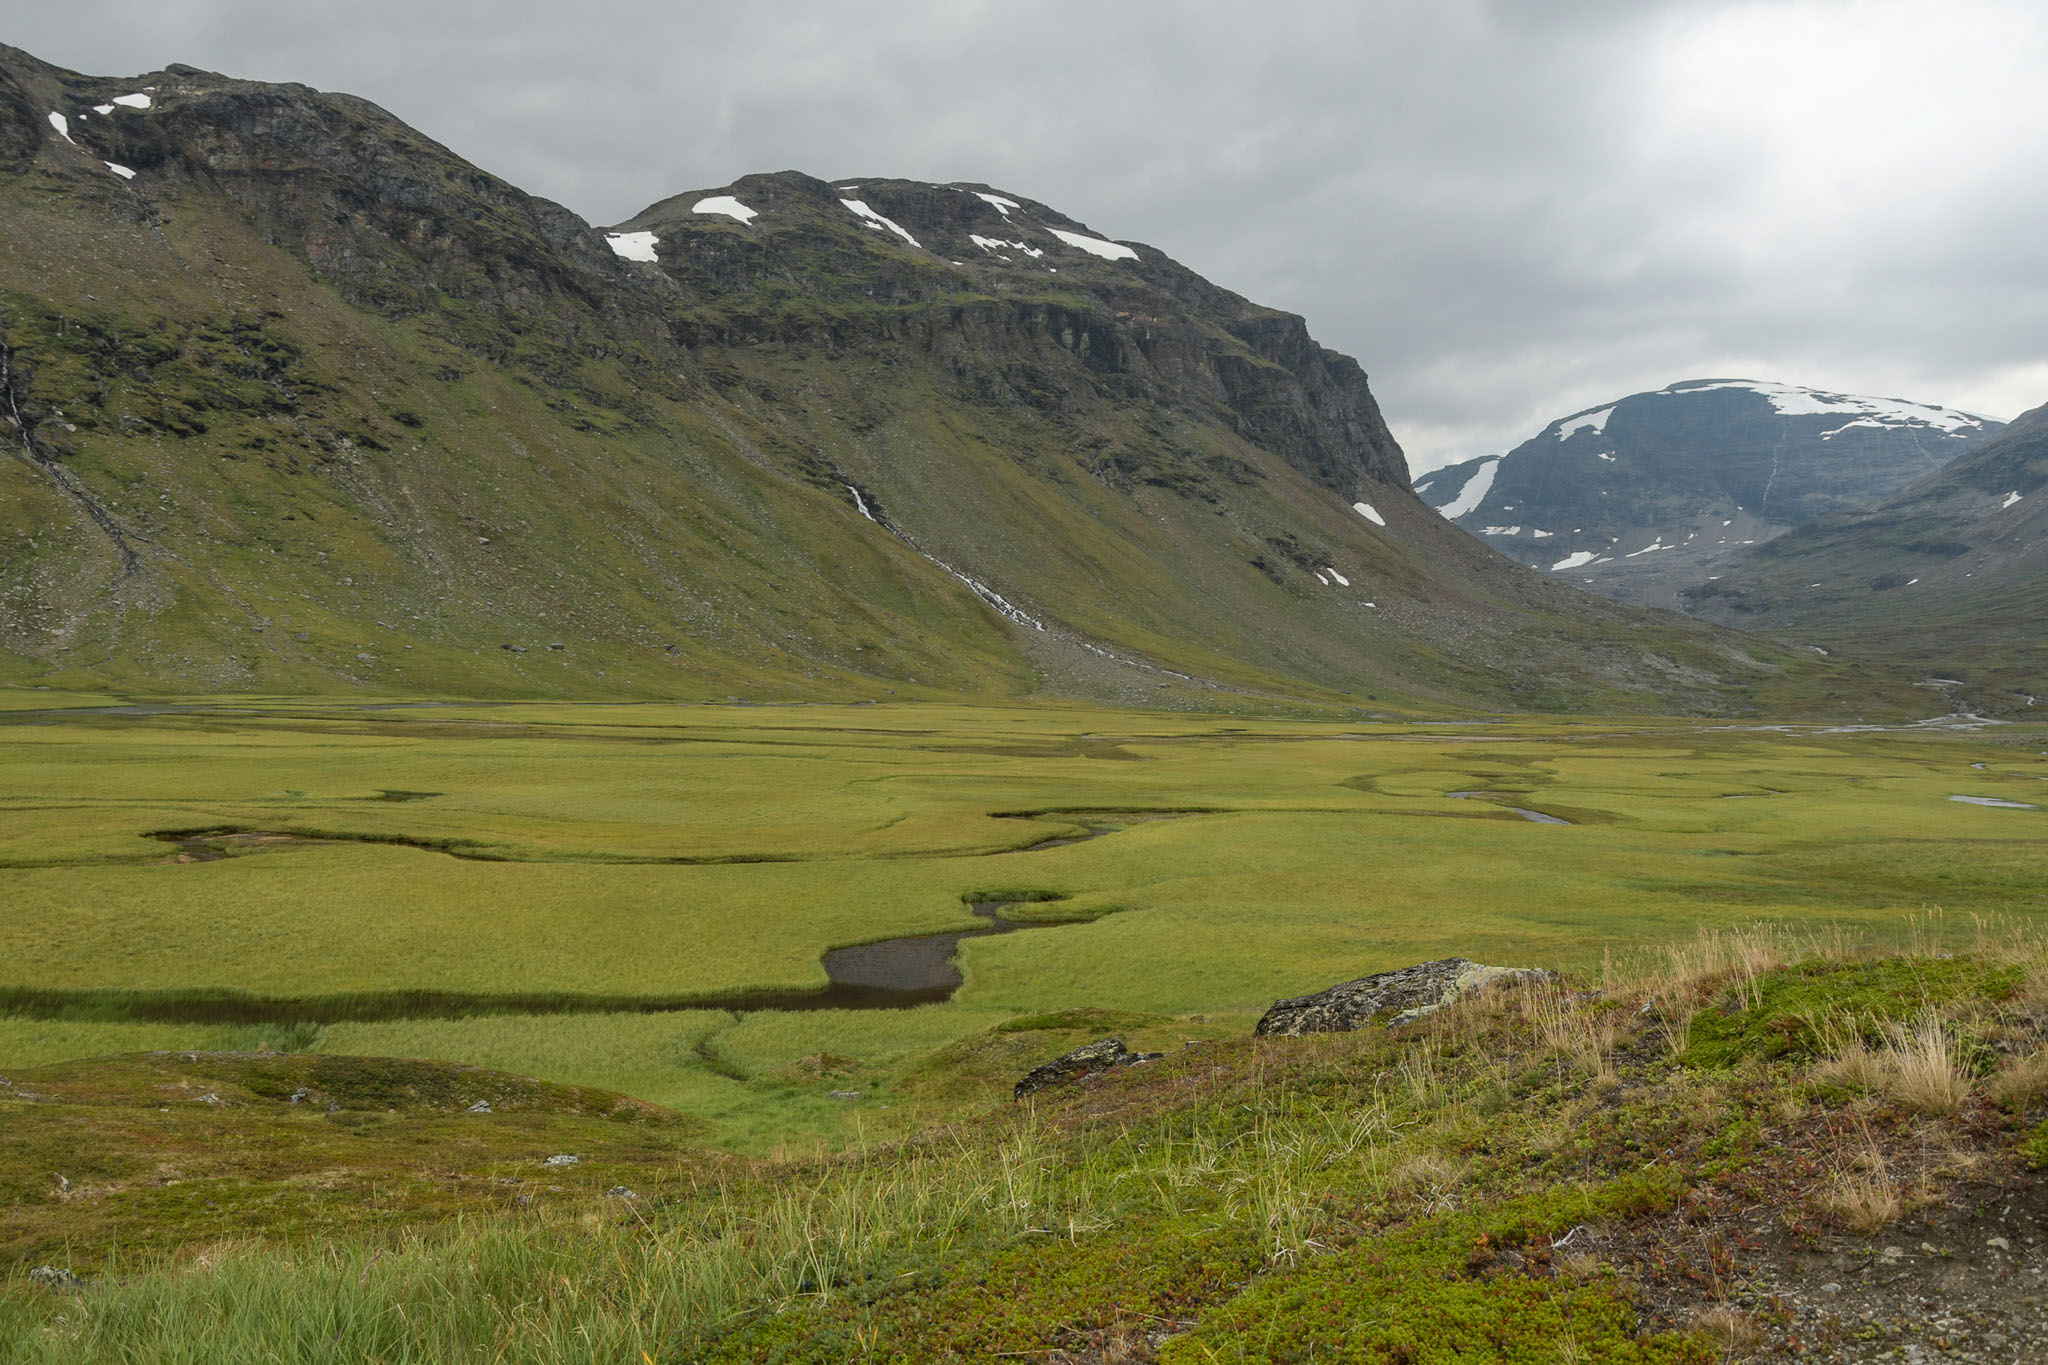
565 891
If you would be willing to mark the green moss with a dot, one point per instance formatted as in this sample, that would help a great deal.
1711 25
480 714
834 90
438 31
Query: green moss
1789 1012
1453 1289
2035 1149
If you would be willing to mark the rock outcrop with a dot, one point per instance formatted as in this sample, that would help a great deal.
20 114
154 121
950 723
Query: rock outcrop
1087 1060
1392 998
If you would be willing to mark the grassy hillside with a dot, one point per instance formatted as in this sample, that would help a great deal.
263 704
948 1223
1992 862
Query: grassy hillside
308 404
1949 577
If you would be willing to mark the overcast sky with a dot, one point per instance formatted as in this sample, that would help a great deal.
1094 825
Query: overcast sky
1504 210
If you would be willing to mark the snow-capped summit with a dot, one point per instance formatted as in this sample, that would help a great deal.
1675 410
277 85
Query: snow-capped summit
1633 497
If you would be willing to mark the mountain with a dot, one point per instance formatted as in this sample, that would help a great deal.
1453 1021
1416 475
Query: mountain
303 401
1948 576
1640 498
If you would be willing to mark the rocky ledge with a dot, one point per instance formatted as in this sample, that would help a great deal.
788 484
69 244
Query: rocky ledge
1083 1061
1393 998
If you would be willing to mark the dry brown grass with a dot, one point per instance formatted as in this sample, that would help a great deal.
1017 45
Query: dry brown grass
1861 1193
1579 1265
1864 1202
1737 1333
1853 1065
2023 1084
1926 1076
1919 1067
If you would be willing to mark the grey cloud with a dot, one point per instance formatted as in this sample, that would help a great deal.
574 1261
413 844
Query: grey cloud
1504 210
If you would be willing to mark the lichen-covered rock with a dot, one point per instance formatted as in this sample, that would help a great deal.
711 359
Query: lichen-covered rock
1393 998
1087 1060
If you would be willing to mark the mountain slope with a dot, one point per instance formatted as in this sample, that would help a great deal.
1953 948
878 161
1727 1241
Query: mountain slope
1637 499
1949 575
304 401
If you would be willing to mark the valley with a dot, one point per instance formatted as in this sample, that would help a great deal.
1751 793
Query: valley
630 896
455 980
742 785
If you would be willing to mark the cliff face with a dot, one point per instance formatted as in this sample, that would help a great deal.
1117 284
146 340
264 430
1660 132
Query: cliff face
305 401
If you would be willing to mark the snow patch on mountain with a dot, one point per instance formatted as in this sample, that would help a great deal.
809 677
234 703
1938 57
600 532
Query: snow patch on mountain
2010 499
1790 400
1574 560
727 205
998 245
133 101
1095 246
121 171
634 246
1589 421
1473 493
1370 513
62 125
1001 205
875 220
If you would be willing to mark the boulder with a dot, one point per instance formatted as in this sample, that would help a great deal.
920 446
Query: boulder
1087 1060
1393 998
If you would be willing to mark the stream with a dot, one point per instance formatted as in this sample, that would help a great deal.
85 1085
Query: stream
1535 815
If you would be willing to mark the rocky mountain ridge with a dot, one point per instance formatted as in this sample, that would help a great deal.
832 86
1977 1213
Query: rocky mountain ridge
1948 576
1639 498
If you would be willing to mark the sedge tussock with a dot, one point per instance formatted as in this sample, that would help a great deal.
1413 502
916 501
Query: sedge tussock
2023 1085
1926 1075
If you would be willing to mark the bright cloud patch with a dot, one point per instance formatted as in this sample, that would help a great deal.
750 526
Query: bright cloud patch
727 205
1366 510
634 246
877 221
1095 246
1473 493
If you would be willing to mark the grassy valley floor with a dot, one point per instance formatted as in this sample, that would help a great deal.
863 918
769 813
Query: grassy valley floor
266 959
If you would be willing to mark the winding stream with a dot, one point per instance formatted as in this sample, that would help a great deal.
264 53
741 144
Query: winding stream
1534 815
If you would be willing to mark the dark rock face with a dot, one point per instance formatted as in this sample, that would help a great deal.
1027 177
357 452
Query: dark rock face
1393 998
1018 313
1087 1060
